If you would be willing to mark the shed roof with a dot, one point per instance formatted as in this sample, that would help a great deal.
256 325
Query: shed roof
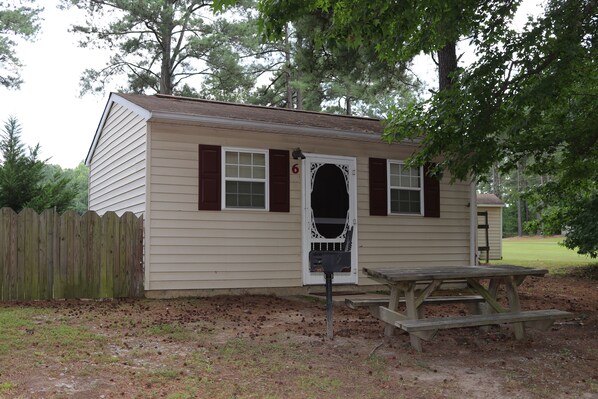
242 117
163 104
489 200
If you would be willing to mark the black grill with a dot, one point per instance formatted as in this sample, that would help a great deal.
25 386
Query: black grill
332 261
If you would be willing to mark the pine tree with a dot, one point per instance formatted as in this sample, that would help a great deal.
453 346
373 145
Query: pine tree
22 177
16 20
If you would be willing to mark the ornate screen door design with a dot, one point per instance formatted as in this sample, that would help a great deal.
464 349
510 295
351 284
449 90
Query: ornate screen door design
329 199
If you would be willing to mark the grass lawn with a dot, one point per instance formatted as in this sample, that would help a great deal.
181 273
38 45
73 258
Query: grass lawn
545 252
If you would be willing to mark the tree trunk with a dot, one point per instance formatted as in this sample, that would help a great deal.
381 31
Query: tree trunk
519 210
447 64
165 68
519 223
348 109
287 54
165 75
496 182
299 95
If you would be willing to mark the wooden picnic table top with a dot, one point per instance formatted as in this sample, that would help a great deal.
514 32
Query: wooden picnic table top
411 274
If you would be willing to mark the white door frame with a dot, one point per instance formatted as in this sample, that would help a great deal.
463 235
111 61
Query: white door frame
318 278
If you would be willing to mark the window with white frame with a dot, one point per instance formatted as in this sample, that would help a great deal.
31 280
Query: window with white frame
405 188
244 178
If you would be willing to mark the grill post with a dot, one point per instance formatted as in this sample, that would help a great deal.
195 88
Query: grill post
329 324
328 262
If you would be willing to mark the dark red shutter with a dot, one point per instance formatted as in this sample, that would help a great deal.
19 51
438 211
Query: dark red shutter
431 193
209 177
378 187
279 181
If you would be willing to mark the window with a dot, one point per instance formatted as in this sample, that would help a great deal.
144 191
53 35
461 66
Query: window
212 179
405 188
379 180
244 178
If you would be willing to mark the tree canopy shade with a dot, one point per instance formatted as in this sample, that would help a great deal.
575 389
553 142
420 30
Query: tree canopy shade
157 44
16 20
531 96
397 30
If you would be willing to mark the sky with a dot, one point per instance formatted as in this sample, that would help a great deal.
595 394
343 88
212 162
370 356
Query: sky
48 105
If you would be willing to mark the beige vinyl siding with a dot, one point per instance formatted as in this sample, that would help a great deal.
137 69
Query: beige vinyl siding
494 231
117 170
193 249
404 240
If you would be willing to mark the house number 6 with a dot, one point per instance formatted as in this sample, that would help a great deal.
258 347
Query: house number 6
295 169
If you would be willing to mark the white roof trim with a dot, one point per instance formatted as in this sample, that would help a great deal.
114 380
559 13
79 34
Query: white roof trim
113 99
491 205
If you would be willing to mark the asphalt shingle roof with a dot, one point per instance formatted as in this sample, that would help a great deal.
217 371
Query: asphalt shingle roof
206 108
488 199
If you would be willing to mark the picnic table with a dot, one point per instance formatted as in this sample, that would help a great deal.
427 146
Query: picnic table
418 284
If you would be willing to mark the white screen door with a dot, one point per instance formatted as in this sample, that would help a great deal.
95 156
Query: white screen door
329 199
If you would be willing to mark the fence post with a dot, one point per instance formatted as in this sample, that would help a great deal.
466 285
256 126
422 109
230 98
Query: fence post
110 244
20 293
50 216
8 254
139 270
58 282
32 264
79 268
91 236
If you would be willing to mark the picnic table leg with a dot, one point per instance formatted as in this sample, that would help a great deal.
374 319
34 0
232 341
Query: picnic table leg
393 304
514 306
485 307
412 313
493 290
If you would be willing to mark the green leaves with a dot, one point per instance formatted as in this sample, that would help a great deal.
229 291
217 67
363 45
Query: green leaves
19 172
23 183
15 21
531 97
162 46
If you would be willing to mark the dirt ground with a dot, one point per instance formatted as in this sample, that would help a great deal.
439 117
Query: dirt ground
269 347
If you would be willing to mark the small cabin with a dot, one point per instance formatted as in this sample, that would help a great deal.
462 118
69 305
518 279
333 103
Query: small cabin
489 226
234 197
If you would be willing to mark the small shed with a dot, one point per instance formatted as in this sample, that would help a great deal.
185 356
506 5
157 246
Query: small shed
234 197
489 226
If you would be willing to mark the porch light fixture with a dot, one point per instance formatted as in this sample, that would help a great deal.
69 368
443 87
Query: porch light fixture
297 154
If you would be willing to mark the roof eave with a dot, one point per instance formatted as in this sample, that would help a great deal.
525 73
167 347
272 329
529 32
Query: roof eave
272 127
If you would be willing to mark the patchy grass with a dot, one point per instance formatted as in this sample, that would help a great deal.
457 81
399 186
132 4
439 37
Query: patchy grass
6 387
266 347
544 252
22 330
171 331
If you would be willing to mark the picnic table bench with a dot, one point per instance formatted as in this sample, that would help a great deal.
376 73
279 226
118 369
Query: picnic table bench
472 301
488 311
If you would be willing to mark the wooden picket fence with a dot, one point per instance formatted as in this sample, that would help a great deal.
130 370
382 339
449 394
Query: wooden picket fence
52 256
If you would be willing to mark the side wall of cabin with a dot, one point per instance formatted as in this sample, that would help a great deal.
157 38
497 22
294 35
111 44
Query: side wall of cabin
494 232
117 174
